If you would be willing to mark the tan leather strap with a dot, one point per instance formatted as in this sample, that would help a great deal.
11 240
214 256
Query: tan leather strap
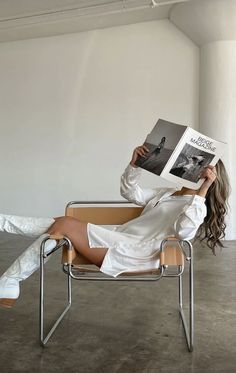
172 255
57 236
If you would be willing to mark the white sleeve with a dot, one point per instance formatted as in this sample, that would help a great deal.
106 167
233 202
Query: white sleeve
191 218
130 188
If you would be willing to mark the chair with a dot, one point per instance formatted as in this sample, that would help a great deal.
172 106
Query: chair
173 255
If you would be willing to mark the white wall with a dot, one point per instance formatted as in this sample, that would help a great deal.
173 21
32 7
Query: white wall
73 107
218 110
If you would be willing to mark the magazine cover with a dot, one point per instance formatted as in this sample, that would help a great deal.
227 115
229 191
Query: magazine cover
179 154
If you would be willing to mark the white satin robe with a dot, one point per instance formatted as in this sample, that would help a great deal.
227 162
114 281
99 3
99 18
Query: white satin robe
135 245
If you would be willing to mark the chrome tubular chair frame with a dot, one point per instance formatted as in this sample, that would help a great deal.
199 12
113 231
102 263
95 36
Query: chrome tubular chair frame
43 257
68 269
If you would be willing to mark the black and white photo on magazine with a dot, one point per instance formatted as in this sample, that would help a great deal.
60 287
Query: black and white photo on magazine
190 163
161 143
157 157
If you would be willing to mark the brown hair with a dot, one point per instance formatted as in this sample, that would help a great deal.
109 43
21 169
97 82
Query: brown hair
213 228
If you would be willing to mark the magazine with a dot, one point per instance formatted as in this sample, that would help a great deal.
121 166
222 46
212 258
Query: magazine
179 153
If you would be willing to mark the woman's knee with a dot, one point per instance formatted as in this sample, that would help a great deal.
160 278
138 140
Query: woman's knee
65 225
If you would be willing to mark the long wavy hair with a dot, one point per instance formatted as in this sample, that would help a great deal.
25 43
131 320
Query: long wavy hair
213 228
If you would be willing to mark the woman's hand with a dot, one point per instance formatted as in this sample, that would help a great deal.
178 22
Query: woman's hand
141 150
210 175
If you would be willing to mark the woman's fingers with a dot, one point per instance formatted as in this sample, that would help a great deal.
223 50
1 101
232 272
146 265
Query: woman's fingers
145 148
209 173
142 150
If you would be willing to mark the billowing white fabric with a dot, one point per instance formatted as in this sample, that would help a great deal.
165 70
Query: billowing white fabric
135 245
26 264
24 225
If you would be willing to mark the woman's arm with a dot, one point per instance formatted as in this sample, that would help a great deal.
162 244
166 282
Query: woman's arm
188 222
210 175
129 187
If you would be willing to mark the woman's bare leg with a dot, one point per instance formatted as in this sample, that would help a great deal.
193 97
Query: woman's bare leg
76 231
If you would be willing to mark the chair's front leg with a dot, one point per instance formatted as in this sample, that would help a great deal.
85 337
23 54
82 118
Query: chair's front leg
187 330
189 333
43 256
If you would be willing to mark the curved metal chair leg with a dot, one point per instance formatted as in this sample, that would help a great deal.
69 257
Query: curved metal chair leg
44 338
189 331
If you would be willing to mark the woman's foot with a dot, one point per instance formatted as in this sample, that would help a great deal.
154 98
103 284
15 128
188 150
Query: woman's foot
9 291
7 302
26 264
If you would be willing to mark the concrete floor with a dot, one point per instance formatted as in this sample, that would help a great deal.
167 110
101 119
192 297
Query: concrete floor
122 328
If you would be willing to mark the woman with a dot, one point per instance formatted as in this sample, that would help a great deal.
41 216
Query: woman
133 245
